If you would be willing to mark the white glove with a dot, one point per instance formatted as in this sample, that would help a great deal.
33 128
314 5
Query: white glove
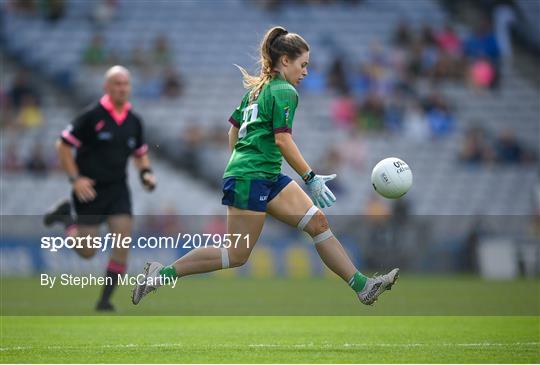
321 196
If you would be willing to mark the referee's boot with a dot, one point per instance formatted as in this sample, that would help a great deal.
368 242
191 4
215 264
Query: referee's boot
104 307
60 213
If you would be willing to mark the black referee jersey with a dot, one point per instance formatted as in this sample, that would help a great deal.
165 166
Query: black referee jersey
104 140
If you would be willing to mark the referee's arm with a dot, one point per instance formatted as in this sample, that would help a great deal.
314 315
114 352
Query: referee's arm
82 186
142 162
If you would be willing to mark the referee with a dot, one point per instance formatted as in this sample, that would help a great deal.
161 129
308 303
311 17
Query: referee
105 135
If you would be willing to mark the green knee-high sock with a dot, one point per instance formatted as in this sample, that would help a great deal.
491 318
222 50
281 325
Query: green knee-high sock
357 282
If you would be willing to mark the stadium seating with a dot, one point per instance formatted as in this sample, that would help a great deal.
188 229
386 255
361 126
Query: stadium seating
208 38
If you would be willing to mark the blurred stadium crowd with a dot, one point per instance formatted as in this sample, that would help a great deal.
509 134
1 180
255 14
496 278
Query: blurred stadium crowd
451 95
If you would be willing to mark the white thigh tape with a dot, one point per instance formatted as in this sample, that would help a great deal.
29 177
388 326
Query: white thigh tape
224 258
323 236
306 218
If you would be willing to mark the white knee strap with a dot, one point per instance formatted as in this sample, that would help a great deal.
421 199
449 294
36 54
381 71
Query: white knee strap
306 218
322 236
224 258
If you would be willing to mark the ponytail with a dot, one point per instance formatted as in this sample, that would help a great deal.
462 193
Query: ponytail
277 42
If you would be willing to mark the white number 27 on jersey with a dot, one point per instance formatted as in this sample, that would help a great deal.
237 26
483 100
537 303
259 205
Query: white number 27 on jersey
249 115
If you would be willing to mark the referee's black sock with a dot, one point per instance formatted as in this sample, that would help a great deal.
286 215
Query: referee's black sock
114 269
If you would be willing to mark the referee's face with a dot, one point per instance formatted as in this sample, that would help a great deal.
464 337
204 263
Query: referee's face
118 87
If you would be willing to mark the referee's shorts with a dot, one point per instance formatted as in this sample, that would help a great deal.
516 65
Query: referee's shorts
111 199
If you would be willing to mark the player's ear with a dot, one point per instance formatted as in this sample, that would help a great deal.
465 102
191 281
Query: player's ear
284 60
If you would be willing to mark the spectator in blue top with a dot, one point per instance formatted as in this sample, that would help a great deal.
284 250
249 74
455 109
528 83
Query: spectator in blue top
439 115
483 43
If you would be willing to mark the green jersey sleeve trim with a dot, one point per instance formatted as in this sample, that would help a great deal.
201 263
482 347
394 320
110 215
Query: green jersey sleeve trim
234 122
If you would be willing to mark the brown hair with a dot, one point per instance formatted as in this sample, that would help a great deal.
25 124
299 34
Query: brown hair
277 42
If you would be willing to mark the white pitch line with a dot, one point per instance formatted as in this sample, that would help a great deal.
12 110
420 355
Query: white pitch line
271 345
349 345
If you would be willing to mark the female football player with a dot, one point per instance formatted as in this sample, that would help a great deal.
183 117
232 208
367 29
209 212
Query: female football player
260 137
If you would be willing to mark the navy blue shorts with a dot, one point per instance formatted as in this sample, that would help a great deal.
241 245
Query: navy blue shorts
252 194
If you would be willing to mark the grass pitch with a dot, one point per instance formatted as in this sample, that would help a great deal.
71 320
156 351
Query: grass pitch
423 319
138 339
241 296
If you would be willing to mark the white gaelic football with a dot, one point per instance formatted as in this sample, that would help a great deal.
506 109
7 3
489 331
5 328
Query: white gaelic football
392 178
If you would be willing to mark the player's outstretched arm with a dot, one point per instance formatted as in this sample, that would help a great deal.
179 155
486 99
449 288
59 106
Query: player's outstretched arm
320 194
291 153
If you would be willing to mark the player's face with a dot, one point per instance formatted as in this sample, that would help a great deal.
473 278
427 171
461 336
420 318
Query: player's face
296 70
118 87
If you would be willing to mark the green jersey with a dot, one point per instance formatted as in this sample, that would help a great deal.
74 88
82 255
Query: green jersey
255 154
